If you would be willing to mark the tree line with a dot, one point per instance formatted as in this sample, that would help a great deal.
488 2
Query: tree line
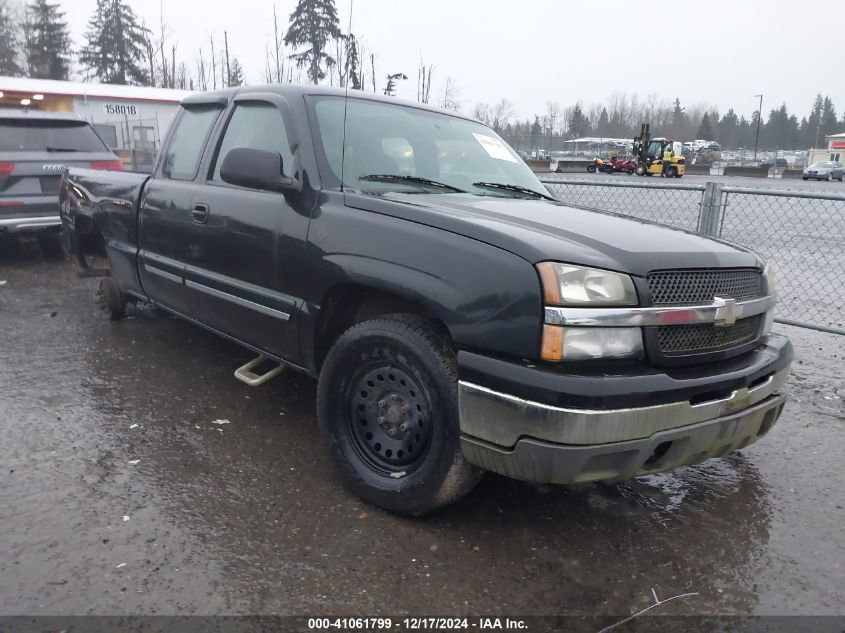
621 117
119 48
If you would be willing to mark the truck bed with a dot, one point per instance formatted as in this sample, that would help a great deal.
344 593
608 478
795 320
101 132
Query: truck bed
100 209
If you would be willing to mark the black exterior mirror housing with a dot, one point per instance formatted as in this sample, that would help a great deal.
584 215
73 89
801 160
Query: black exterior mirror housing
255 168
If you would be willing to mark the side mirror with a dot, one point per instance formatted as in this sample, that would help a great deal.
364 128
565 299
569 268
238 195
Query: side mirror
255 168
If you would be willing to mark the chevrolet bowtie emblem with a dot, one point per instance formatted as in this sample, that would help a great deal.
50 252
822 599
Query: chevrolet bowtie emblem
725 311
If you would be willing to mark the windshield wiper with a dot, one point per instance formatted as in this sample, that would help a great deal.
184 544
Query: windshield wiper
515 188
61 149
411 180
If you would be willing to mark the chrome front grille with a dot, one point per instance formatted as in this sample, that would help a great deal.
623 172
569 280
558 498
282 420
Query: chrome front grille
674 339
674 287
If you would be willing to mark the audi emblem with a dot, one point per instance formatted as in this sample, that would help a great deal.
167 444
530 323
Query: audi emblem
54 168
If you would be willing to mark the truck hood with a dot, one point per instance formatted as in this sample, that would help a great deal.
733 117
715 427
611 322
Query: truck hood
539 230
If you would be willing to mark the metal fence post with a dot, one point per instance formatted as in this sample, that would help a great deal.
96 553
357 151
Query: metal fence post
710 214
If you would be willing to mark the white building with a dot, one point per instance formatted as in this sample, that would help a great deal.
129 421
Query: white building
132 120
834 151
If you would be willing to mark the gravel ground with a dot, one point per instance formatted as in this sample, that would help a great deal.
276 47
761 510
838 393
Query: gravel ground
120 494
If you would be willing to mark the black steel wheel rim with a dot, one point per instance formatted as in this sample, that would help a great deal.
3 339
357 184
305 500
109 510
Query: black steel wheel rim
389 418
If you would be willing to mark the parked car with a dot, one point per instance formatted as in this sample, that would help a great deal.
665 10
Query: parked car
826 170
35 149
457 317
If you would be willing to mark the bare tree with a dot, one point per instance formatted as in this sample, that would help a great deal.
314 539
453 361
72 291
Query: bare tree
554 113
150 54
278 47
500 114
449 99
481 111
424 82
166 77
202 72
213 64
228 68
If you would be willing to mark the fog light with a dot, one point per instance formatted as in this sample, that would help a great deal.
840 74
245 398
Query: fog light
585 343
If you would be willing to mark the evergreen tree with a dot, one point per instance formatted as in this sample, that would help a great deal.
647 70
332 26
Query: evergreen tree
47 44
313 24
705 130
679 119
811 132
829 124
536 129
116 45
603 125
353 63
9 44
390 88
781 130
727 130
236 73
577 123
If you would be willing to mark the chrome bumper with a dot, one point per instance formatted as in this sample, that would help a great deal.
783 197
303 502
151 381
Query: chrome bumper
544 462
13 225
502 419
534 441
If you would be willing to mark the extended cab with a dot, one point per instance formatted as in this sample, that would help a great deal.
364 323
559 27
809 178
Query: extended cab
458 318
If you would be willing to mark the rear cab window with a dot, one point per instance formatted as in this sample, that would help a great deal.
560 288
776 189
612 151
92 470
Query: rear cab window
45 135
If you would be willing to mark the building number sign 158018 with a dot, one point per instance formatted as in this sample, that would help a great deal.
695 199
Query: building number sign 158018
120 108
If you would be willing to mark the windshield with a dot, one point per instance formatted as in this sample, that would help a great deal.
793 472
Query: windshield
391 147
655 148
44 135
820 165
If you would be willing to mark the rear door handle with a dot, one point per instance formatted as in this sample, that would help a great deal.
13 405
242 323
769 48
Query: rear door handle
199 213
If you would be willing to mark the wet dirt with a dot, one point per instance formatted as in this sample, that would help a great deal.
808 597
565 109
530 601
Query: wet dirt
120 495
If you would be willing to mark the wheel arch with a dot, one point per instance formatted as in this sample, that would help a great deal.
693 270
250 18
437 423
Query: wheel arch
350 302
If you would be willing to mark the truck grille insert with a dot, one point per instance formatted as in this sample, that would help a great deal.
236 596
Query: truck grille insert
700 286
706 337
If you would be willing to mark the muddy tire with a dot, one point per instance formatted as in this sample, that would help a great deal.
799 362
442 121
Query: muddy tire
387 407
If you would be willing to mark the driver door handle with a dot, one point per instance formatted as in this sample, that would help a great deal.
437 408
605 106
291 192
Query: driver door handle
199 213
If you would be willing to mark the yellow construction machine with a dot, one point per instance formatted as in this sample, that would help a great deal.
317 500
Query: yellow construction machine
648 153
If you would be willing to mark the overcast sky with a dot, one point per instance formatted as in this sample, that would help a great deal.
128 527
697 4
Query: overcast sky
716 52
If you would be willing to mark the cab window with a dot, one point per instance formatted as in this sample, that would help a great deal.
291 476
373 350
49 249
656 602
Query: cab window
185 147
255 125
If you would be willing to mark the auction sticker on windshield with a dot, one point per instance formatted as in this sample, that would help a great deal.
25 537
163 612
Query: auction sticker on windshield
494 147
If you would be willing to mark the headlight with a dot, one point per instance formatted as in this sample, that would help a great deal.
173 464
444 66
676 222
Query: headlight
566 285
769 289
769 280
585 343
578 286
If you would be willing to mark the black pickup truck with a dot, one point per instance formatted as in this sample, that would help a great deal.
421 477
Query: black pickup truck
458 318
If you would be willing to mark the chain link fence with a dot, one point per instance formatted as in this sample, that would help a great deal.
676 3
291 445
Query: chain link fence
801 234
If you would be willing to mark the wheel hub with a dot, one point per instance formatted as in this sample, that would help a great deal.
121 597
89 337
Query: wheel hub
390 417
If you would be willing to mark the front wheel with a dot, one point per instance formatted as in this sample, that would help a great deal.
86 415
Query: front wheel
641 170
387 406
591 169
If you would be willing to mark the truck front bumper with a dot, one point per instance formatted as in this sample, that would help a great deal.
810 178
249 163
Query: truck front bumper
538 425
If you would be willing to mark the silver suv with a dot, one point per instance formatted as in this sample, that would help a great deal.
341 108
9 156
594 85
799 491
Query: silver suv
35 150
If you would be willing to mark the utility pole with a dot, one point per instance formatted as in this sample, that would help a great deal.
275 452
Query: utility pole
757 135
